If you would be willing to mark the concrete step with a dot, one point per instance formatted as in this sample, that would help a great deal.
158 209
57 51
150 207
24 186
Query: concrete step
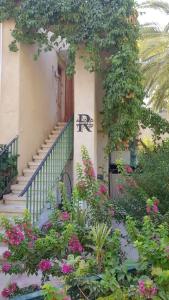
34 164
12 209
38 157
46 146
14 199
23 179
48 142
43 151
53 136
17 188
28 172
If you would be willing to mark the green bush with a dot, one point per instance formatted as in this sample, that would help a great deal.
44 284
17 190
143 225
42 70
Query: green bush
151 179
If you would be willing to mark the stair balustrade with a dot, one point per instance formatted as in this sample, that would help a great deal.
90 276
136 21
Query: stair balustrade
50 170
8 165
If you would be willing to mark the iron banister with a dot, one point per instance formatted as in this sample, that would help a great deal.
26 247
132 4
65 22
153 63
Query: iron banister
43 181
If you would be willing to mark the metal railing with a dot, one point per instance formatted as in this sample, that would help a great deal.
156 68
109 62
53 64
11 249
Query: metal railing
48 173
8 165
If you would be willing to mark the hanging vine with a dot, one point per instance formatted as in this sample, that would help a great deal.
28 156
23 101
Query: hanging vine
108 31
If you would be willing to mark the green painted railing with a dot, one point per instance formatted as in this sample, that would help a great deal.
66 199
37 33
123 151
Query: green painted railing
8 165
48 173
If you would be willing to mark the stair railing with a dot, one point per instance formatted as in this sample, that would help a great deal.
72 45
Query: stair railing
8 165
45 178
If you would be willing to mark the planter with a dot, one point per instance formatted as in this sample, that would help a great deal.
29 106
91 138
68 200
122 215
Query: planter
32 296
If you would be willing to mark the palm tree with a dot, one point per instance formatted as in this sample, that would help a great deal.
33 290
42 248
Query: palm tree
154 55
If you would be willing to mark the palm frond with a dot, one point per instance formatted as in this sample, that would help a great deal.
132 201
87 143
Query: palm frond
160 5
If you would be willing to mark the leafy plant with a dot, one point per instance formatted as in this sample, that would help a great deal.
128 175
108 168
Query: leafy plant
99 234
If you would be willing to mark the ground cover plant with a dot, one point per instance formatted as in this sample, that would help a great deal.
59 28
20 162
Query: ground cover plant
79 246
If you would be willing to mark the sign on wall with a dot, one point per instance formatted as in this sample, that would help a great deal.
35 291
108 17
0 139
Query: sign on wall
84 123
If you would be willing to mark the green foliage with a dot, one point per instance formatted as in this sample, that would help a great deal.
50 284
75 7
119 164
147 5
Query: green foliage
51 293
149 179
108 31
8 171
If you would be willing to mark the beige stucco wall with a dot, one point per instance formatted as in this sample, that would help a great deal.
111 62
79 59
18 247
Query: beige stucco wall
38 94
28 96
9 92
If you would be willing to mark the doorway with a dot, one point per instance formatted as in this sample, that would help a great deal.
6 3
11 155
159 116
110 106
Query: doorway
65 95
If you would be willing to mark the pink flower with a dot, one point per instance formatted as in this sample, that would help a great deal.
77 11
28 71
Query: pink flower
75 245
147 289
15 235
66 268
6 254
67 298
148 209
103 189
6 268
45 265
65 216
6 293
112 212
13 287
155 208
120 188
128 169
47 226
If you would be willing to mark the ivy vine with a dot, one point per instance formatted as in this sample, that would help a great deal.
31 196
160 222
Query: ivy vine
108 30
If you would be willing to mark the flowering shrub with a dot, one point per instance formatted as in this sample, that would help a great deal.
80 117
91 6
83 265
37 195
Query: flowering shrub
77 246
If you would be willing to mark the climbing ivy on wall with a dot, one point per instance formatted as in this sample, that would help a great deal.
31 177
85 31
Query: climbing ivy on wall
108 31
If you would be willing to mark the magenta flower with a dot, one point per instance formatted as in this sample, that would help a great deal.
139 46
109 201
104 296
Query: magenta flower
66 268
6 267
75 245
45 265
65 216
6 293
6 254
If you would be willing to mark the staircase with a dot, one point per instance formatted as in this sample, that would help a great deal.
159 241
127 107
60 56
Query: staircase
13 205
39 177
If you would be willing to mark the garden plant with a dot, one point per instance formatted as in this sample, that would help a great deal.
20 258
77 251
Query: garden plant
79 248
